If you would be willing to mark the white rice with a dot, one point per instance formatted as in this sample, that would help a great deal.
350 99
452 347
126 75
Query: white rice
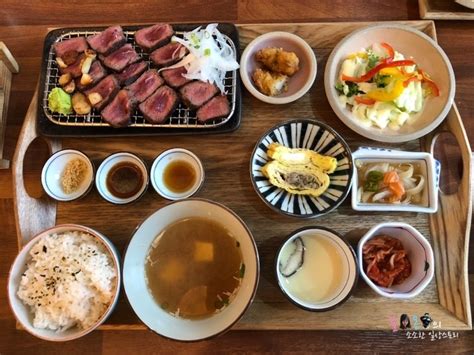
69 281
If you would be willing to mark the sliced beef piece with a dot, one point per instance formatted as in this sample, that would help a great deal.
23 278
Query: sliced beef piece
117 113
216 107
174 77
120 58
145 85
75 68
97 72
131 73
197 93
168 55
159 106
150 38
77 45
108 40
106 89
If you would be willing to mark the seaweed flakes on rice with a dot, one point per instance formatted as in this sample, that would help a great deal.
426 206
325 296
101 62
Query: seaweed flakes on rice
69 281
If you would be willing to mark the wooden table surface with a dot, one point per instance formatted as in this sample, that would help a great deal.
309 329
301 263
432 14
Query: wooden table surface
23 26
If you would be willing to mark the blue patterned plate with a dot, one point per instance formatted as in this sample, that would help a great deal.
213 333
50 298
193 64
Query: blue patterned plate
309 134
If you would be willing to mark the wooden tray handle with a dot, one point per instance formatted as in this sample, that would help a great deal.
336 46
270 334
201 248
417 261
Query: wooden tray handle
32 215
451 228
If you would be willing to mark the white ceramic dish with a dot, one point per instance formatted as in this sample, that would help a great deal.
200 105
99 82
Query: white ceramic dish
411 43
23 313
53 169
104 169
298 84
165 158
430 170
419 253
349 269
134 275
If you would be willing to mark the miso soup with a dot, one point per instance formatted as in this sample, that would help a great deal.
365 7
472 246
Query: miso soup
194 268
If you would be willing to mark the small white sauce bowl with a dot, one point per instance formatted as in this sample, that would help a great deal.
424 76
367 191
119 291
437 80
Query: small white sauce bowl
52 172
349 269
419 253
298 84
107 165
23 313
161 162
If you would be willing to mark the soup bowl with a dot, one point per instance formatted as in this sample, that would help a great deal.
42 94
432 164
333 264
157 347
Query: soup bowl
134 272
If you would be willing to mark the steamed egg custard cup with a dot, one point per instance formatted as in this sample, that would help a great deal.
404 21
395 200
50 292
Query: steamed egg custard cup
134 271
169 156
53 169
323 275
412 44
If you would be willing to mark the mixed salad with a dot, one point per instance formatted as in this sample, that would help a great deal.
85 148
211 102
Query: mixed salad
383 87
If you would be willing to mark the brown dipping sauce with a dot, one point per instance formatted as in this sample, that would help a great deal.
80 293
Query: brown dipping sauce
124 180
179 176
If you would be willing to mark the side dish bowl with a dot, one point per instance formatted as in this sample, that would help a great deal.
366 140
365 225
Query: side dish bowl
347 266
411 43
419 253
134 273
23 313
298 84
308 134
429 169
54 168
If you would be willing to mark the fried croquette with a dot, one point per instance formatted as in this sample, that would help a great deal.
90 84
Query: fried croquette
269 83
278 60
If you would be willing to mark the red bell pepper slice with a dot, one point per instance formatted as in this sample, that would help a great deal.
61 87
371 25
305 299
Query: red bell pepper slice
409 80
389 49
431 84
364 100
371 73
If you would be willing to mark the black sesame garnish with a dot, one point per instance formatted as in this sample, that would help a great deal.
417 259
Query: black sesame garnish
45 250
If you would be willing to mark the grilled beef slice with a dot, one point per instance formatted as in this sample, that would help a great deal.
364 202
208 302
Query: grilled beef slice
131 73
145 85
107 88
108 40
168 54
197 93
120 58
117 113
216 107
75 68
150 38
174 77
77 44
160 105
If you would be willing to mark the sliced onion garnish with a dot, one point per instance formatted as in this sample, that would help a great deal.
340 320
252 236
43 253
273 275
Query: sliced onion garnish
419 187
210 55
405 171
381 195
382 167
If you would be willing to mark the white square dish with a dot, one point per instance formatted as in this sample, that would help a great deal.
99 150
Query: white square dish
430 169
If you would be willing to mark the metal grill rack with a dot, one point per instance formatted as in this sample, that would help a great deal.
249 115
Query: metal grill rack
182 117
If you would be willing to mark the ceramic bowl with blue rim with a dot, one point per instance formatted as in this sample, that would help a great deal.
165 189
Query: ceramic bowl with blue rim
307 134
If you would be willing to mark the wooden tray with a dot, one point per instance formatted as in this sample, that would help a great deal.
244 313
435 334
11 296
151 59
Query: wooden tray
226 161
444 10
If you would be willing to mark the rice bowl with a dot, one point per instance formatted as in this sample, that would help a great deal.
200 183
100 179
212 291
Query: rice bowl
64 282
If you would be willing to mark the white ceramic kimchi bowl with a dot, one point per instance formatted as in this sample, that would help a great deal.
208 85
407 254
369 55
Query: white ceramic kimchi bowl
419 253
